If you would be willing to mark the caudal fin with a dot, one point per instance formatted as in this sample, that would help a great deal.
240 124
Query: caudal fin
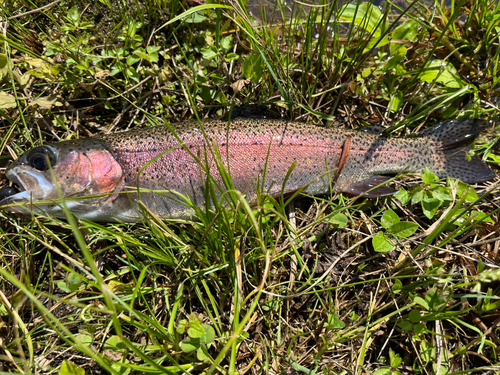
454 138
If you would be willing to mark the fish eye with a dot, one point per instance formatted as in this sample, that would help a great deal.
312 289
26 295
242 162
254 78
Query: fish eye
41 158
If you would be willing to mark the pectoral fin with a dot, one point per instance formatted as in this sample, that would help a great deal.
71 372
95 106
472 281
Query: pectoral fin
361 187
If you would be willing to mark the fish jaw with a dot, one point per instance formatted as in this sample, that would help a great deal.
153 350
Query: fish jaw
33 186
83 177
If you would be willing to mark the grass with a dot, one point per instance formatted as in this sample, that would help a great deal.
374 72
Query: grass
325 285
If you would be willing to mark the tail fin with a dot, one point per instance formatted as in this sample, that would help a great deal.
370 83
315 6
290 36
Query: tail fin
455 138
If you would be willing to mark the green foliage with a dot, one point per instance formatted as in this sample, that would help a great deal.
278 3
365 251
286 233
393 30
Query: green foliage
200 336
431 196
441 72
334 322
394 361
395 227
338 220
253 67
69 368
407 31
365 15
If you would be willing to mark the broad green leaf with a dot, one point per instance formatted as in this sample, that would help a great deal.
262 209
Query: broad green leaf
414 316
209 335
442 72
338 220
74 279
196 17
398 285
195 329
117 68
231 57
443 370
132 73
442 193
69 368
152 49
396 101
406 31
85 339
119 367
403 196
389 218
364 15
394 359
115 344
3 60
138 54
334 322
153 57
201 354
6 64
209 53
253 67
181 326
463 188
383 371
403 229
63 286
47 102
7 100
221 98
417 195
226 42
428 176
381 244
481 216
190 345
153 53
422 302
397 59
405 325
86 25
427 351
74 15
430 205
206 94
419 328
376 42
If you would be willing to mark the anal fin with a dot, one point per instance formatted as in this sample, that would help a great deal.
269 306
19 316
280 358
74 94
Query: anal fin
370 183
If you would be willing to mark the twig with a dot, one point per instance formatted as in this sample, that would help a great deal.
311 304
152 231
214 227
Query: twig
35 10
484 242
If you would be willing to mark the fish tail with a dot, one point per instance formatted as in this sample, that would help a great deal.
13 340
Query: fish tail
454 139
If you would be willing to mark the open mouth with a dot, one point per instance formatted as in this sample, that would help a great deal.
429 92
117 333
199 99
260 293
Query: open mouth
15 191
8 191
25 185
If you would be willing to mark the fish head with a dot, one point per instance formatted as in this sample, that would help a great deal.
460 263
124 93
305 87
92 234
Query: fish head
67 171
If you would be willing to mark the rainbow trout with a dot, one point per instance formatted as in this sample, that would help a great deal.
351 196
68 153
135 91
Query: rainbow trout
98 178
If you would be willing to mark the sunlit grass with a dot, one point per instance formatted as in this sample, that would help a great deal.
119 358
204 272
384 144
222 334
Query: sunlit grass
286 284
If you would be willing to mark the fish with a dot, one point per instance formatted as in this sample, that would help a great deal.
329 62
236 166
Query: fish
169 169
